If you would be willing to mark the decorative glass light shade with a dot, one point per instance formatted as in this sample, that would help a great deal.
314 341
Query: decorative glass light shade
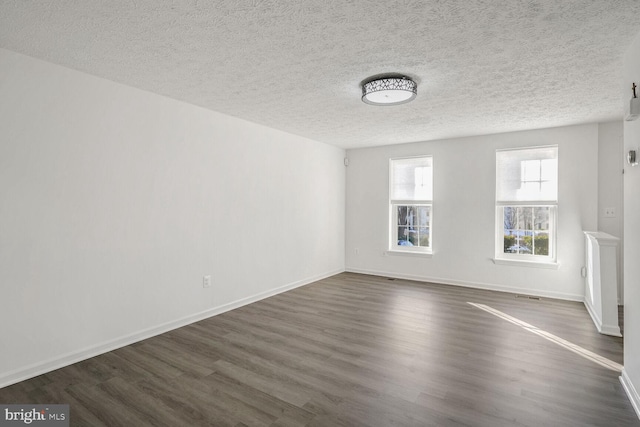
389 91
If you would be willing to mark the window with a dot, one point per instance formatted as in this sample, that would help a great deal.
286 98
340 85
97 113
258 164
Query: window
526 203
410 194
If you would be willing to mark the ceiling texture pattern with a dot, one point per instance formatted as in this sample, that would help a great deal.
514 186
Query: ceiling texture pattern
482 66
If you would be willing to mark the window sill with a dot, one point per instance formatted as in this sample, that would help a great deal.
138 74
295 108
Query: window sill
409 253
521 263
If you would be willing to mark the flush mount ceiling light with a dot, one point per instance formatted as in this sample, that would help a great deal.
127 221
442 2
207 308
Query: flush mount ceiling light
389 91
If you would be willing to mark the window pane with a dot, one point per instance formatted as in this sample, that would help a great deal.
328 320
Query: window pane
541 217
424 236
412 225
528 190
525 218
414 238
403 236
549 170
407 216
510 241
526 230
423 183
548 190
402 215
527 174
510 219
411 179
423 215
541 243
530 170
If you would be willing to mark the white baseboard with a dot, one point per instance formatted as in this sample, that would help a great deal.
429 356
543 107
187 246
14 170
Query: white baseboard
592 313
43 367
476 285
631 391
603 329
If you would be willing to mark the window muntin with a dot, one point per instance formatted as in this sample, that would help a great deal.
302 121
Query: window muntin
539 177
527 175
527 229
526 203
410 194
413 225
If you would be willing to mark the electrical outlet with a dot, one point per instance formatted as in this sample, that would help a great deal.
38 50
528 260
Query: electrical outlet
206 282
609 212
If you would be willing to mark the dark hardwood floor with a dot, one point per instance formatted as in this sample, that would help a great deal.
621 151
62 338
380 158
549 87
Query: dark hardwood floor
353 350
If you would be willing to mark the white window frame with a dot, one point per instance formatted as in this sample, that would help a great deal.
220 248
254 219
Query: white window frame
500 254
393 214
505 257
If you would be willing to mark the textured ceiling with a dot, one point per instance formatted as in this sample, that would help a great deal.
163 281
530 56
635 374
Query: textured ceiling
482 66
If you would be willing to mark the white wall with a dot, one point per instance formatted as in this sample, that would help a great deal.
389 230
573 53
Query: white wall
610 165
115 202
631 374
464 212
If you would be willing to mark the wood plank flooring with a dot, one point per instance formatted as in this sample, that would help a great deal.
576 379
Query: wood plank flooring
353 350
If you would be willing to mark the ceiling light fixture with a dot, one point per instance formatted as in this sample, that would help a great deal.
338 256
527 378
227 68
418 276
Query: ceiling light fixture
389 91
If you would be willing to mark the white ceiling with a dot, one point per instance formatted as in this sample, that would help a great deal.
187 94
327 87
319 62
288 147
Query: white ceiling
482 66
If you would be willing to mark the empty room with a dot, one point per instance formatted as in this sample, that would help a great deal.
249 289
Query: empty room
337 213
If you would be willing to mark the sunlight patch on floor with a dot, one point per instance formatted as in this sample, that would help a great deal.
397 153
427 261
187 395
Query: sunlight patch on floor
602 361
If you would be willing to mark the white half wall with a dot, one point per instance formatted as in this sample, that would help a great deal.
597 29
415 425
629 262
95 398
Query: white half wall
115 202
631 379
464 212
